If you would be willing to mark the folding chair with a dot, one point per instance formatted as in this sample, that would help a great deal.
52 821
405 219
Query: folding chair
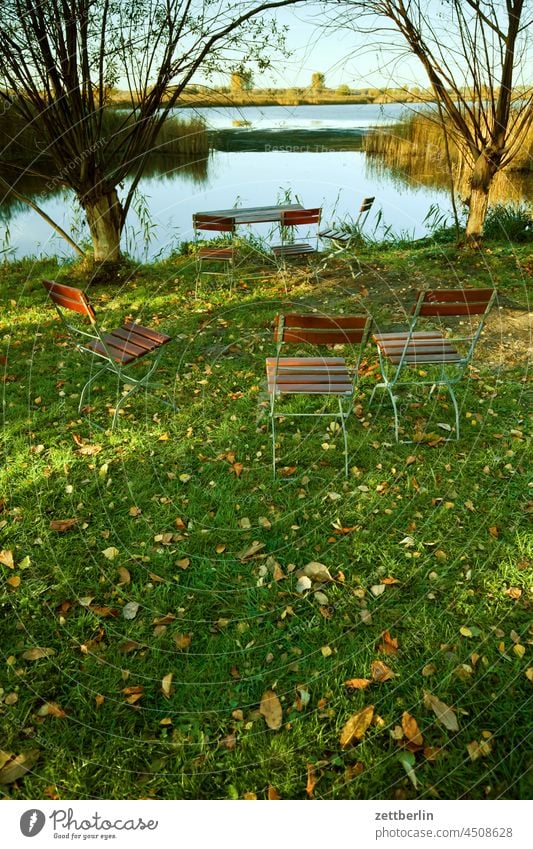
446 357
342 239
291 247
214 254
115 350
329 376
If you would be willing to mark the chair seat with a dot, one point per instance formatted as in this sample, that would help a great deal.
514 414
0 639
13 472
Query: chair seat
129 343
223 254
320 375
422 348
339 236
294 249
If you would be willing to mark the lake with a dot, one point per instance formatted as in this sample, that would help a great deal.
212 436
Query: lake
260 155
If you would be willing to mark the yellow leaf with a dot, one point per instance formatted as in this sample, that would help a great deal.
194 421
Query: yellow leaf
529 673
99 699
519 650
220 548
466 632
270 708
6 559
355 727
110 553
183 563
51 709
182 641
272 793
311 780
14 581
37 653
166 685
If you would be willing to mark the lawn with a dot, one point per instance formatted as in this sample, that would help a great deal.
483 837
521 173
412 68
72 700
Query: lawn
155 641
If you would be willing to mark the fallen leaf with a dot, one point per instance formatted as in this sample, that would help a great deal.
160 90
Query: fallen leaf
220 548
17 767
311 780
272 793
129 645
182 641
354 729
494 532
62 525
251 551
444 713
326 651
389 581
124 576
99 699
357 683
166 685
270 709
37 653
130 610
377 589
428 669
514 592
317 572
6 559
14 581
411 730
389 645
380 672
135 511
51 709
303 584
245 523
111 552
407 760
183 563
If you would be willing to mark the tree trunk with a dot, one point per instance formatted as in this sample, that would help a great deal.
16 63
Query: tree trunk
105 220
478 201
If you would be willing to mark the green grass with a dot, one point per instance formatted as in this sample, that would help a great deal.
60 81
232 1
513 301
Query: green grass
465 563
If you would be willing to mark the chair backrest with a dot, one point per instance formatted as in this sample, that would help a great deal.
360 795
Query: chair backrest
322 329
366 205
68 297
294 217
222 224
442 302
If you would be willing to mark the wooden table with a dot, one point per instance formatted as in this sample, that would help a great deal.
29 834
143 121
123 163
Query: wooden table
253 214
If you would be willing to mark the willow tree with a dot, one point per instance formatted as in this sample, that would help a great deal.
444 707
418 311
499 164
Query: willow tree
474 53
60 59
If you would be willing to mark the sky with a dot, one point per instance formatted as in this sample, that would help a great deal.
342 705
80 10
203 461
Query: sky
343 55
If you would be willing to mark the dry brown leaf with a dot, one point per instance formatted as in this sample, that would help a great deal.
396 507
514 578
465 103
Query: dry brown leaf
166 685
182 641
380 672
251 551
444 713
311 780
133 690
37 653
157 579
124 576
6 559
388 581
270 709
357 683
494 531
62 525
388 645
14 581
183 563
272 793
411 729
99 699
129 645
164 620
354 729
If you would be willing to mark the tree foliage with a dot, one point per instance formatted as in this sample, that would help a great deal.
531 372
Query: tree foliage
473 53
61 59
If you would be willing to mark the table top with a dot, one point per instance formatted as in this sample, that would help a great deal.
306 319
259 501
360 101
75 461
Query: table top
252 214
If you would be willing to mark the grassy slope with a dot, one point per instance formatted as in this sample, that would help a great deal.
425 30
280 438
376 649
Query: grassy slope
238 627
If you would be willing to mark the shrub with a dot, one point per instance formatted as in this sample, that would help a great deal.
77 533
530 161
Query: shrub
510 221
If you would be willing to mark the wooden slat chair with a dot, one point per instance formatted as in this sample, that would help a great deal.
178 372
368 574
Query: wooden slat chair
290 246
115 350
341 239
218 254
318 375
411 350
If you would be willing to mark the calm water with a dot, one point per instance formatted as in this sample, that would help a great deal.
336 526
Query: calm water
307 171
